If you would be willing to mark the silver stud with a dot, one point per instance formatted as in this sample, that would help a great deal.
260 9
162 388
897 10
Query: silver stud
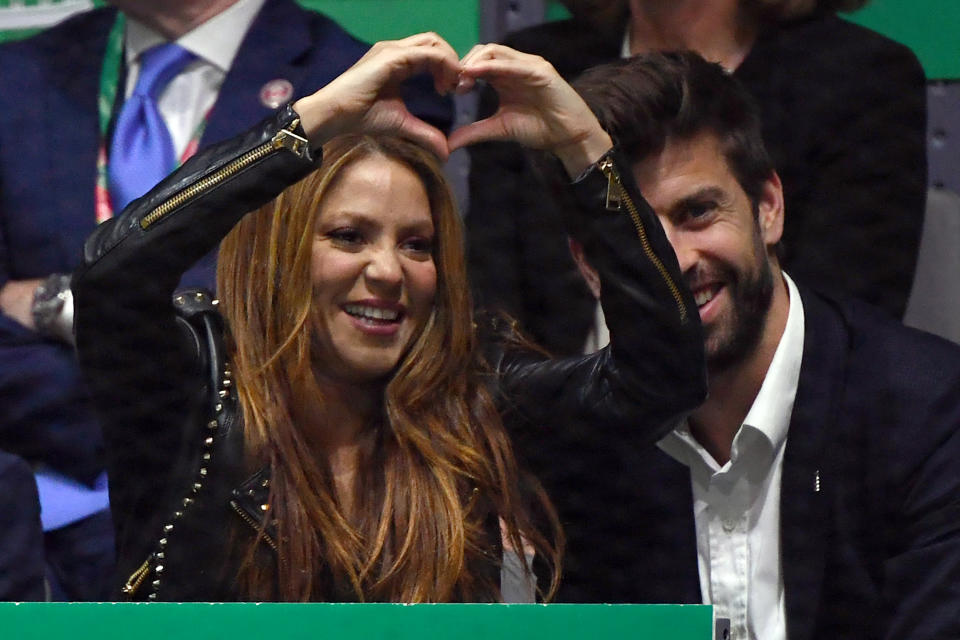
223 393
159 568
206 457
227 373
264 507
160 555
167 528
218 407
227 382
265 483
208 442
212 424
152 596
197 486
156 584
178 514
203 471
179 300
163 542
187 502
215 302
198 295
251 492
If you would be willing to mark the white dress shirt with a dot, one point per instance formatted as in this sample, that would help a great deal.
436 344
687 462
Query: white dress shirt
737 505
185 101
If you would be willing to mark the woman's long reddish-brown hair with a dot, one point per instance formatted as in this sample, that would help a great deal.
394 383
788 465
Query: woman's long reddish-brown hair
441 470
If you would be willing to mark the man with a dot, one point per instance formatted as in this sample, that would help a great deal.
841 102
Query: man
816 493
240 60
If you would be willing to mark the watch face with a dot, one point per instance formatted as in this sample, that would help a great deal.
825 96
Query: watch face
47 301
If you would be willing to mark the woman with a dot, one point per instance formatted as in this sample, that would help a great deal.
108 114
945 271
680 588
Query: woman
343 441
843 112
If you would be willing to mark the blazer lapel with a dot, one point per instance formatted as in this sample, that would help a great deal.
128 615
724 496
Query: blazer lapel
806 480
71 121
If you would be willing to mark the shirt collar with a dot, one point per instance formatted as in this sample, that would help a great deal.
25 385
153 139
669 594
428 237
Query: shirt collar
771 409
625 43
216 41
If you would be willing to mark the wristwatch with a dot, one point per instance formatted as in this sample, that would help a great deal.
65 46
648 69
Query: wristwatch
52 308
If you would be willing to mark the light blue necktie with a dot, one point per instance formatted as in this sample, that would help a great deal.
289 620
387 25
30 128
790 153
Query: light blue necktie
141 153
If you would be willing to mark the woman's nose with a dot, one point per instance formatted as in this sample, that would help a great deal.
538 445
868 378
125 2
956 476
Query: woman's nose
384 268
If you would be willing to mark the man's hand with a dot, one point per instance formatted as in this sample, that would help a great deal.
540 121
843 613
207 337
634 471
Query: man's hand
16 300
538 108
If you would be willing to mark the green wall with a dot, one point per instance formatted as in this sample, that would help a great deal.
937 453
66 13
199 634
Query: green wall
930 27
458 21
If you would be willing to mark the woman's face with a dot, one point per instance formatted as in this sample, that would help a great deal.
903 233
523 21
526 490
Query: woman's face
372 268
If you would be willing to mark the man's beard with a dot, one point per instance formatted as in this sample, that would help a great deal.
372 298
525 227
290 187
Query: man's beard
734 337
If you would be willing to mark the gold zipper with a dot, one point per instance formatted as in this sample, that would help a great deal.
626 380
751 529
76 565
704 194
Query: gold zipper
254 525
284 139
136 578
616 196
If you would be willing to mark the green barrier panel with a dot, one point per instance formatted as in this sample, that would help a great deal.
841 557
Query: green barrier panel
235 621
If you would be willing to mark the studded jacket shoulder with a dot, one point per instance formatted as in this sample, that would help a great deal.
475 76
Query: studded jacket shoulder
160 379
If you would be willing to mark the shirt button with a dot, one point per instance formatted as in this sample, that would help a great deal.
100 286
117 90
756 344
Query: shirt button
729 525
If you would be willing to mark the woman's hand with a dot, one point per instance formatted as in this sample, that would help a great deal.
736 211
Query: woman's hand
537 108
366 97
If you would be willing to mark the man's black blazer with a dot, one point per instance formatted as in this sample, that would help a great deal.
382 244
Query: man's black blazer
871 550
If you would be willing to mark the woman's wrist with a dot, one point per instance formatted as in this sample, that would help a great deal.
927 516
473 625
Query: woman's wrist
317 117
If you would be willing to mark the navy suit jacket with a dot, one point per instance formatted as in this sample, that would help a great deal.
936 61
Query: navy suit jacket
48 144
21 541
872 550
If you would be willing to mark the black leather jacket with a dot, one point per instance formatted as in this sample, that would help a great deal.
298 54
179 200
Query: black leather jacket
160 377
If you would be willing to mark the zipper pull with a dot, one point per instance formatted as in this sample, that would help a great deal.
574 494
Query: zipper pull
136 578
292 142
613 202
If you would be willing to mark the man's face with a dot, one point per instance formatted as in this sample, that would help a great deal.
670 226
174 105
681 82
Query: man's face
722 244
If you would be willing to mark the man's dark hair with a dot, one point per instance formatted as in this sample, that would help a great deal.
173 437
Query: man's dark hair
648 100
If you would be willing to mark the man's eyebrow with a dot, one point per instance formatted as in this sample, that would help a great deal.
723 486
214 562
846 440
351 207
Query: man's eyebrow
704 194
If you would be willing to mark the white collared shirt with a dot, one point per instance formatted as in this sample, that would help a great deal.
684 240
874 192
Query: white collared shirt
189 96
737 506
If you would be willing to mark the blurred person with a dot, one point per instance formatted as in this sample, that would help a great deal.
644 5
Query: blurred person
21 540
843 112
231 63
815 494
336 434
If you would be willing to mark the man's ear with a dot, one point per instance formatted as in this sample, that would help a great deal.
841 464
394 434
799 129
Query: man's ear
770 210
588 272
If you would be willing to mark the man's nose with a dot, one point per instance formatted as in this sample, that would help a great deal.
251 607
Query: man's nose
686 256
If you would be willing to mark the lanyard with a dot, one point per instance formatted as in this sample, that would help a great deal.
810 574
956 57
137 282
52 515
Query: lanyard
106 99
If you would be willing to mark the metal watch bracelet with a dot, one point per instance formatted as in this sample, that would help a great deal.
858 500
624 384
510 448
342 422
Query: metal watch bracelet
52 308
